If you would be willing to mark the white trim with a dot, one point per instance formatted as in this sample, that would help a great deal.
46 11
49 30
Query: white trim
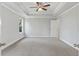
59 7
3 47
69 44
4 5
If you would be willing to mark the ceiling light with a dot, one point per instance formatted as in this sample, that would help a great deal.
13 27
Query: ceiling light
40 9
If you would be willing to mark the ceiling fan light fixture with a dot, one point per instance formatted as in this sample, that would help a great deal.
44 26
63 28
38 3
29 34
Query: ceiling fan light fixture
40 9
41 6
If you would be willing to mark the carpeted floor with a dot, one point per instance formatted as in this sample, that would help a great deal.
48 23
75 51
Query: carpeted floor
40 47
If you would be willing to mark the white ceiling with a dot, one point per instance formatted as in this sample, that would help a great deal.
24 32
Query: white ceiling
54 10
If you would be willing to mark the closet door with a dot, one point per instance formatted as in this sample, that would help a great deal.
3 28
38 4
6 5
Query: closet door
78 28
54 28
0 29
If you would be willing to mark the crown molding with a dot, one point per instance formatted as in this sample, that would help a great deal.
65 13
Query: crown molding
68 9
59 7
5 5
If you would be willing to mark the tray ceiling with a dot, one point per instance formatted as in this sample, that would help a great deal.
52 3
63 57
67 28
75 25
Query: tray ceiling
53 10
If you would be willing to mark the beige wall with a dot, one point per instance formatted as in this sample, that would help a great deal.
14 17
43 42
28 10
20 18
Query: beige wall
41 27
69 26
10 31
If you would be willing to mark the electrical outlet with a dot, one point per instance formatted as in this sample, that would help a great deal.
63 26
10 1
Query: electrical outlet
76 45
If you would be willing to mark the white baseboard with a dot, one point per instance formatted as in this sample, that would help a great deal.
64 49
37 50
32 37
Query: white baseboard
3 47
69 44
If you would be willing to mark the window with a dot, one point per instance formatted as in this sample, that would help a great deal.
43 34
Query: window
21 25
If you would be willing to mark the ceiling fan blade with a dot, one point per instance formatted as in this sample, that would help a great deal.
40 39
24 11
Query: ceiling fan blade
33 7
38 3
44 9
46 5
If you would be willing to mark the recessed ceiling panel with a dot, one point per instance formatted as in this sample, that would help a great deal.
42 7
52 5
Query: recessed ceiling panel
54 9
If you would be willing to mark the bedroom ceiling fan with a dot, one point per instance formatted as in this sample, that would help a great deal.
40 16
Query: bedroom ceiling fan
41 6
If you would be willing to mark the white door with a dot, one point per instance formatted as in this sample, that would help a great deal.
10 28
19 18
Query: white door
0 35
54 28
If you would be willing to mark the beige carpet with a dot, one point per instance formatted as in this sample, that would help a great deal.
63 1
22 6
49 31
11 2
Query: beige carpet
40 47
